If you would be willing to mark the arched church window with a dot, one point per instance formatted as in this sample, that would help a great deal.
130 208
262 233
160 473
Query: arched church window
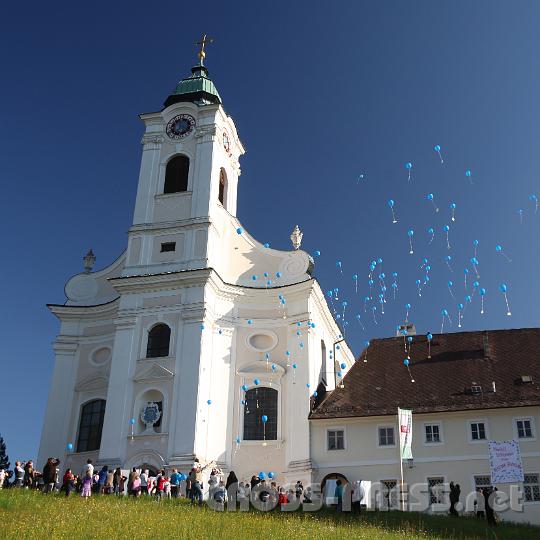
261 401
91 425
158 341
222 186
176 175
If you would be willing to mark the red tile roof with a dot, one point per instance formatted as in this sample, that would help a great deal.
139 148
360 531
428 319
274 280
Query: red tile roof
492 359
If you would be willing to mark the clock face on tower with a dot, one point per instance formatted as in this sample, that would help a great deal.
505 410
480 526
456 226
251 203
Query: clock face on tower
180 126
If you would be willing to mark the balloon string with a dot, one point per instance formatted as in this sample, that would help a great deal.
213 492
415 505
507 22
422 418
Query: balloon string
508 312
482 309
410 243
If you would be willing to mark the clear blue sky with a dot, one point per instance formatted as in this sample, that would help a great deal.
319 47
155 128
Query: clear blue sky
321 93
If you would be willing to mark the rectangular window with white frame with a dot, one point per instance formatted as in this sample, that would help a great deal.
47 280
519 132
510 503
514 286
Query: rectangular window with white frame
478 431
525 428
386 436
433 433
531 487
335 439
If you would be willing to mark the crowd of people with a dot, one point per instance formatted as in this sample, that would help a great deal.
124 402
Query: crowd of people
112 481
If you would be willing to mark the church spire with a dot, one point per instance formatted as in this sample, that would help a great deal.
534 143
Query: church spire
198 87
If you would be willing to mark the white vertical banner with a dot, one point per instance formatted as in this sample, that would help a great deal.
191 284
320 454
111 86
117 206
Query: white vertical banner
405 433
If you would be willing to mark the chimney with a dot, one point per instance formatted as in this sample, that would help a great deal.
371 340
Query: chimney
406 329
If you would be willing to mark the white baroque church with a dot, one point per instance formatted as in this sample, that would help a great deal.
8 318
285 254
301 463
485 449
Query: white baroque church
198 341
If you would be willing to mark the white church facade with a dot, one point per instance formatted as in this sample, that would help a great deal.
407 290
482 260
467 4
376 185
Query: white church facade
198 341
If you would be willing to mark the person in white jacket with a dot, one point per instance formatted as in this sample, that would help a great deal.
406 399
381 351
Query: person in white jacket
479 504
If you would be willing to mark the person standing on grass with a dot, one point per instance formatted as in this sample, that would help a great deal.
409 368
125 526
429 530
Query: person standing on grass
116 480
130 480
338 494
2 478
50 475
299 489
197 485
479 504
455 492
109 482
19 475
144 482
68 482
490 513
136 485
175 484
87 485
103 478
29 474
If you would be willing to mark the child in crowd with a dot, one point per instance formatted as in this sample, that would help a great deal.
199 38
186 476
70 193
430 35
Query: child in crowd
87 485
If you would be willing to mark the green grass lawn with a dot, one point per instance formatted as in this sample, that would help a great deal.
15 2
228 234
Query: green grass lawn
25 514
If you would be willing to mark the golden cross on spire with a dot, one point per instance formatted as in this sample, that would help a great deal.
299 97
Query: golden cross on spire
204 41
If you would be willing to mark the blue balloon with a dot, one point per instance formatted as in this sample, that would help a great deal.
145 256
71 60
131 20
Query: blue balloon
429 196
209 402
498 248
70 447
394 274
460 306
450 283
408 165
474 261
308 385
315 394
267 245
355 276
429 336
250 321
256 382
264 418
343 365
409 339
132 421
262 475
446 228
430 230
245 387
391 203
238 440
202 326
239 230
452 206
278 274
406 361
366 343
271 474
475 243
503 287
437 148
317 253
448 258
482 292
444 313
410 232
407 306
265 274
254 277
468 173
294 366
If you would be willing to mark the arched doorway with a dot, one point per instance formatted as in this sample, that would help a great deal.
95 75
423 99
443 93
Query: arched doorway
328 486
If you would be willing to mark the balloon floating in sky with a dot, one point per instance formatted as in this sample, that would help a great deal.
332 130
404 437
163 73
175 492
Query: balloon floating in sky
391 205
450 285
429 197
534 198
209 402
359 319
410 234
466 271
437 149
445 315
520 214
482 294
355 279
431 232
407 309
339 266
446 229
460 308
474 262
317 253
264 418
475 244
447 260
267 245
468 174
429 337
453 210
408 166
360 178
366 345
499 249
504 288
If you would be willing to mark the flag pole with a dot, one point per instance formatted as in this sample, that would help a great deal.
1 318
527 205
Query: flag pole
401 498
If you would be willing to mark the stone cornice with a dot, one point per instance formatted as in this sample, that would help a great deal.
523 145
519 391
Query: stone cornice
99 312
180 224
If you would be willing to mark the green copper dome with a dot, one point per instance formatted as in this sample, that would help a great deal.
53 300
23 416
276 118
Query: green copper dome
197 88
